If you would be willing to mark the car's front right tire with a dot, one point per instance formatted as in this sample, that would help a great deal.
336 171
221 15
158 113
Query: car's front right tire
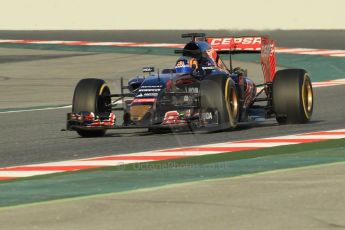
219 98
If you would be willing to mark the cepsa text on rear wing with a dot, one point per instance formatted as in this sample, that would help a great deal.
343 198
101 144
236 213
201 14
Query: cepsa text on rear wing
246 45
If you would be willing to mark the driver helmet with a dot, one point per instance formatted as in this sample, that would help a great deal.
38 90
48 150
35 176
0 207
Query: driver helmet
186 65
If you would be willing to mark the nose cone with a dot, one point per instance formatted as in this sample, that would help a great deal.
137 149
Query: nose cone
139 112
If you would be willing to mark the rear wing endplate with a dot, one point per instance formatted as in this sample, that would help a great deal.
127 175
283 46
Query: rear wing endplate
239 45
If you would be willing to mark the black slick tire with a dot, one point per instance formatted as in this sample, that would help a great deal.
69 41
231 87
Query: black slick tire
90 96
292 98
218 97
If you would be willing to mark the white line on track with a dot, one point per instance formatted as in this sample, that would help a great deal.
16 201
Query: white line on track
25 173
38 109
92 163
308 137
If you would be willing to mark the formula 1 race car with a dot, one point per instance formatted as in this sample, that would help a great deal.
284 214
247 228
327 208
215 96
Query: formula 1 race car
199 93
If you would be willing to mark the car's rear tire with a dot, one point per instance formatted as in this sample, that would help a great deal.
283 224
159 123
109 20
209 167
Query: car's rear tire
219 97
90 96
292 96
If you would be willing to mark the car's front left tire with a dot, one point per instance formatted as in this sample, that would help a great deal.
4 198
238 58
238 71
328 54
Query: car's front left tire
91 95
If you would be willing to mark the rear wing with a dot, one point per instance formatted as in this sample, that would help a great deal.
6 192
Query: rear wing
238 45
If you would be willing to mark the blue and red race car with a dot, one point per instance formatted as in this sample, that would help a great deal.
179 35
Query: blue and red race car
199 93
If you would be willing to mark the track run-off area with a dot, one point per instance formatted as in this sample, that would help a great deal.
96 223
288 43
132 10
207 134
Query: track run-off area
42 167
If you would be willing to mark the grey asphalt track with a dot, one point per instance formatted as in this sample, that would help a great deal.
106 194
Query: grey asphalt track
40 77
35 137
302 199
